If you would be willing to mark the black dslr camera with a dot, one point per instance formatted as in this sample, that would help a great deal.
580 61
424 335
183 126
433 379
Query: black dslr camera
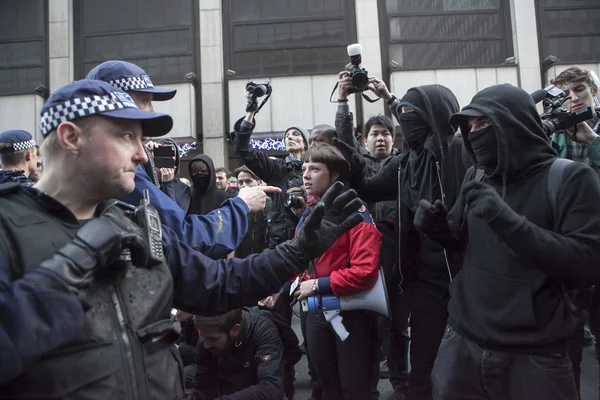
360 76
293 197
556 117
253 92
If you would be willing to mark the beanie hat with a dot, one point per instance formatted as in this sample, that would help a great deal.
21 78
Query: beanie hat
414 100
302 131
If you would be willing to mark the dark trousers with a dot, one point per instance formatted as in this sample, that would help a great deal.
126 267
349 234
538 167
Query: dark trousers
315 385
428 317
398 340
465 371
576 342
343 367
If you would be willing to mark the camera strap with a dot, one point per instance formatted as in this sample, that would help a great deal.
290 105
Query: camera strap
367 98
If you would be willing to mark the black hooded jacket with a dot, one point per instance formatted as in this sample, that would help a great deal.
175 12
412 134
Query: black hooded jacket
421 258
175 189
508 294
205 194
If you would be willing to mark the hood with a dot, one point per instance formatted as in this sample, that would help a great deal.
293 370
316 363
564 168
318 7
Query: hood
522 144
177 160
212 185
439 104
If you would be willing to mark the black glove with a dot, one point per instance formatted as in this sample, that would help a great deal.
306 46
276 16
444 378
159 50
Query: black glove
432 219
356 160
483 201
97 245
329 220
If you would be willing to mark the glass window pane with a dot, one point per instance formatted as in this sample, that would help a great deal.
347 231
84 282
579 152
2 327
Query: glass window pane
573 22
573 49
287 37
445 27
448 54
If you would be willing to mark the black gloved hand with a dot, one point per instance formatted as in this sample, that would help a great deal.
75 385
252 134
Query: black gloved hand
356 160
432 219
329 220
97 245
483 201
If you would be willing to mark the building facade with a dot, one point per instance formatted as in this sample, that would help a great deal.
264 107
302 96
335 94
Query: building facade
209 49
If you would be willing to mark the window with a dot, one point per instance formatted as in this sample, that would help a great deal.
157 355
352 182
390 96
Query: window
569 30
23 46
158 35
288 37
429 34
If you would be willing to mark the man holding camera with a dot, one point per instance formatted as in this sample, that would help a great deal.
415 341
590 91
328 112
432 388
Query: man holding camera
85 312
580 143
197 231
525 241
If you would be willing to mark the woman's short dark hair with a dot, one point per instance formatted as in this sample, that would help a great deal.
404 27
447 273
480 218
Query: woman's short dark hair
220 323
330 156
379 120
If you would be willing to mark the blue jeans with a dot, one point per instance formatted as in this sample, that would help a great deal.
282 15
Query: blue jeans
464 370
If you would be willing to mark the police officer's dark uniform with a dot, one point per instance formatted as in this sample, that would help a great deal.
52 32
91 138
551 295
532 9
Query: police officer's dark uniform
77 318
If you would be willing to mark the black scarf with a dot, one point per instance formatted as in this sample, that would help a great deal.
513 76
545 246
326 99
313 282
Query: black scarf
419 175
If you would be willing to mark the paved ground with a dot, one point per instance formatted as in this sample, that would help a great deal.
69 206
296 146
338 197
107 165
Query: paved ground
589 378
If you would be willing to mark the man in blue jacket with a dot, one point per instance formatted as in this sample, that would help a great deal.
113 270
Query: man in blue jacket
215 234
87 283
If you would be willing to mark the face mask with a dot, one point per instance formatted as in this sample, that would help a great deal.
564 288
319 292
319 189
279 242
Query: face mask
485 146
201 180
414 129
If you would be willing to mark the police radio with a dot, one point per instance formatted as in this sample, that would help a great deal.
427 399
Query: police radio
148 219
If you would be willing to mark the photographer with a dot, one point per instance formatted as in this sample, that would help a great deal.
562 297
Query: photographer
169 174
581 143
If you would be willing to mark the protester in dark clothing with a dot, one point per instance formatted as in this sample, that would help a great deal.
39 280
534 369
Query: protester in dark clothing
19 158
433 167
241 356
508 317
255 240
174 188
205 194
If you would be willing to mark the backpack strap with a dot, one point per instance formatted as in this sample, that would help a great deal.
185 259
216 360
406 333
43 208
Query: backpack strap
553 186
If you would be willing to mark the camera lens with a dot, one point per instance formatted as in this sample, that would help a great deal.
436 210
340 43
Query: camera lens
260 90
360 80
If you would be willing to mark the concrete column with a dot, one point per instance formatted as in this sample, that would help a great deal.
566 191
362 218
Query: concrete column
367 32
212 81
525 39
60 43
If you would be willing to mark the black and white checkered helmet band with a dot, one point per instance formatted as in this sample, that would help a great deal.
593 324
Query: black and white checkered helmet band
24 145
132 83
81 107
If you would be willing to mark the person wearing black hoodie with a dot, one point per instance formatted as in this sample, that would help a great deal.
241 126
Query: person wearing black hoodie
205 194
432 167
509 316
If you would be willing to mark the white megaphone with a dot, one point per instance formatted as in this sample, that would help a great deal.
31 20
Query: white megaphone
330 306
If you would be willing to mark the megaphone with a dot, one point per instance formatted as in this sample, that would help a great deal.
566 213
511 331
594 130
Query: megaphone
374 299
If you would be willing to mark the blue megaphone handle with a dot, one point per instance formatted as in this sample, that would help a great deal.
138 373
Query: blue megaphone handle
328 302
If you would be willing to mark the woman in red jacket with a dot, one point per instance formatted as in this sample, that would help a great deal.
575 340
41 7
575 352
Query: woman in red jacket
350 266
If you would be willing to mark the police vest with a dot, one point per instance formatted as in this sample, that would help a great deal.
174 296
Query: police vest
125 348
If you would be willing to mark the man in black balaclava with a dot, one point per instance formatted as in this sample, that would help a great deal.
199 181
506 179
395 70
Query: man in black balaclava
509 317
205 194
433 168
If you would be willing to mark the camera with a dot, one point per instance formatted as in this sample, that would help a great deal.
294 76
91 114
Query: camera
164 156
293 197
360 76
556 117
257 90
